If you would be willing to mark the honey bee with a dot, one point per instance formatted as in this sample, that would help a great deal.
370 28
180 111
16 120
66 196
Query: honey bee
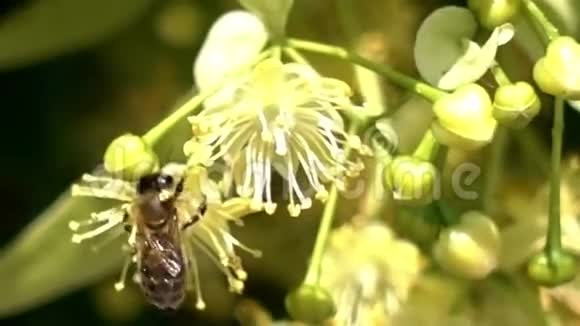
161 263
157 213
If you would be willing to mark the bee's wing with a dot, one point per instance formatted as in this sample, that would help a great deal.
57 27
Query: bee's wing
162 249
172 261
167 255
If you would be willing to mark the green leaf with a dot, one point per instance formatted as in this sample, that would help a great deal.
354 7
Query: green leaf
48 28
43 264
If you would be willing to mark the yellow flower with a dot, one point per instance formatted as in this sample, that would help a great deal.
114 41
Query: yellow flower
201 229
369 273
283 117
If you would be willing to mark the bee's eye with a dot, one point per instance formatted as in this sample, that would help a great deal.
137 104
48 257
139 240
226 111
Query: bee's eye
164 181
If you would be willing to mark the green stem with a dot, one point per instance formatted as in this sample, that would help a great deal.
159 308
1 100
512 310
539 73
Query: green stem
533 150
313 273
553 241
348 21
495 160
295 56
448 216
427 148
499 75
539 18
427 91
277 51
494 170
368 82
157 132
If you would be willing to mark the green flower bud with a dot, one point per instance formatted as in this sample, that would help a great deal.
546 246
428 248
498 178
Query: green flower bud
469 249
418 224
516 104
561 268
464 118
412 180
310 304
558 72
130 158
493 13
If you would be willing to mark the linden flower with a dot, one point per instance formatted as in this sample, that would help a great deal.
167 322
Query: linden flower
369 273
206 231
283 117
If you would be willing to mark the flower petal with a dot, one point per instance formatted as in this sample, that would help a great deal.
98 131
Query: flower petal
442 33
475 60
238 32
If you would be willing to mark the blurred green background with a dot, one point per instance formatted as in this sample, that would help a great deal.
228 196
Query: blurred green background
65 99
76 74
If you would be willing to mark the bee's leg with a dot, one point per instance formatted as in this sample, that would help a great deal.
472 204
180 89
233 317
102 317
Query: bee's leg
191 221
130 250
129 227
126 224
201 209
137 278
202 206
120 285
130 247
132 237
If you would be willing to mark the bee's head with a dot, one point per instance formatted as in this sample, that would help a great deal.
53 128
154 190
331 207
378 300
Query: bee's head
156 182
167 183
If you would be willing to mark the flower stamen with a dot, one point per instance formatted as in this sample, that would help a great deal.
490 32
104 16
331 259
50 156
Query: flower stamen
284 116
120 284
112 218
